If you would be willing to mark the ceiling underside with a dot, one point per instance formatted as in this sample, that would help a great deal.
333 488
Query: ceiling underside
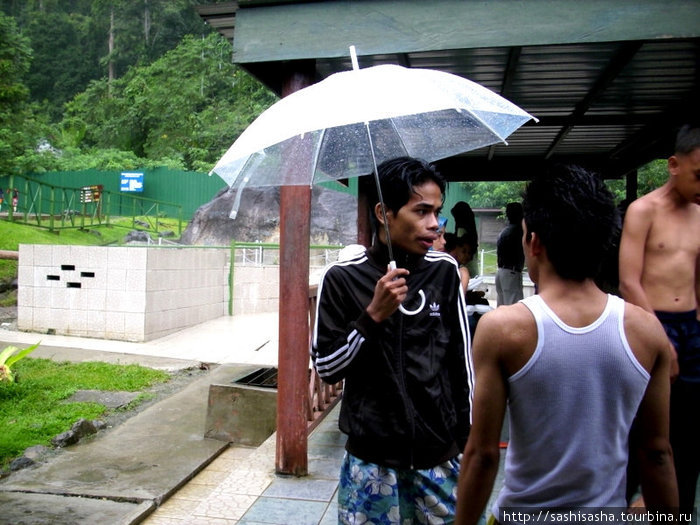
608 103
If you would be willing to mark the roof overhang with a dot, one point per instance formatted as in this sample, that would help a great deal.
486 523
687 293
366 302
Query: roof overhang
610 80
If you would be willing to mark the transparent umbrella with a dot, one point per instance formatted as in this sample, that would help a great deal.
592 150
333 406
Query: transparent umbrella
345 125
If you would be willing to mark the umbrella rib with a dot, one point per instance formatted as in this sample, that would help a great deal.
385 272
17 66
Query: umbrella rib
315 158
487 126
237 199
398 135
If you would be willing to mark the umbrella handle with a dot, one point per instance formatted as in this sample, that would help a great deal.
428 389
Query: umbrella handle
392 266
417 310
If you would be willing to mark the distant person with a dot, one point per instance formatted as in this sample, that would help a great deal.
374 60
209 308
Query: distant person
660 271
15 199
465 220
461 249
510 257
465 227
2 198
399 339
574 365
439 242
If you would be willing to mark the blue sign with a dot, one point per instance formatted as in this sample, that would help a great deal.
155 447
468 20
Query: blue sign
131 182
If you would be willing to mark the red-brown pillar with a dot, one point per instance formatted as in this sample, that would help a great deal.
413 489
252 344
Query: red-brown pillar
364 227
293 358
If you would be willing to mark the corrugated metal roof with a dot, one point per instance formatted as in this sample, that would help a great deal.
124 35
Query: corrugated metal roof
613 105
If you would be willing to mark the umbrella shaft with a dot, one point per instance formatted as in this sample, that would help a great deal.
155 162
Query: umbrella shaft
379 193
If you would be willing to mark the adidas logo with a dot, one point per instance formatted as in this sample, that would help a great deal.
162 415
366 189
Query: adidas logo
434 310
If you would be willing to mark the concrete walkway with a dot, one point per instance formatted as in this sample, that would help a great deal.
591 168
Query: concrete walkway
157 467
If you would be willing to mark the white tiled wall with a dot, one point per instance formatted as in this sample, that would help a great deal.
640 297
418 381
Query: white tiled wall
123 293
134 293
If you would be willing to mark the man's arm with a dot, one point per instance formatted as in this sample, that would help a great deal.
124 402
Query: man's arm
481 455
632 248
341 330
658 478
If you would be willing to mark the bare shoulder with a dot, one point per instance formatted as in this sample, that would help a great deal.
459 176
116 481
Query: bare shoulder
645 205
511 325
507 335
645 334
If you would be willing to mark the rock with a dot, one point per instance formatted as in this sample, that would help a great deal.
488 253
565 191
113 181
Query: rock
36 452
20 463
333 218
79 430
137 236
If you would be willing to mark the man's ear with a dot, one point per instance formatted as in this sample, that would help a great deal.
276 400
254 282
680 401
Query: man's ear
535 244
378 213
672 165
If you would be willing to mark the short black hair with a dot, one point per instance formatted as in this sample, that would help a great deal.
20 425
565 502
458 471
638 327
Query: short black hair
575 218
688 139
514 212
398 177
452 241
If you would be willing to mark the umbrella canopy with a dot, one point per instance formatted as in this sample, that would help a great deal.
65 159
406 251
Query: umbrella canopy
320 133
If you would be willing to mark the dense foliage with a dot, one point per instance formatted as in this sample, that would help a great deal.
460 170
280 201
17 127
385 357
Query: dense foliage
486 194
117 84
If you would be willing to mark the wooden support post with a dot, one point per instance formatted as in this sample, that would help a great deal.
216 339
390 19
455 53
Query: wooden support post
364 226
293 360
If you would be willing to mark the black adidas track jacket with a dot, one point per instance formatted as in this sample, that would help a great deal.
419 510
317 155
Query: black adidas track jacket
406 399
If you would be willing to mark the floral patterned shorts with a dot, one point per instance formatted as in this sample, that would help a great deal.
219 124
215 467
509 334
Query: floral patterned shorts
371 494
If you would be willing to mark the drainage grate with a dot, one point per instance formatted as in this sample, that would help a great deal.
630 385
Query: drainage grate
262 377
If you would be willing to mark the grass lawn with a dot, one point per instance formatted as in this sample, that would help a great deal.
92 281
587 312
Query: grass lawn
33 409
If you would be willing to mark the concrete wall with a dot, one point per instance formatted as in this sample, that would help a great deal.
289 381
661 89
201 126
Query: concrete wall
122 293
255 289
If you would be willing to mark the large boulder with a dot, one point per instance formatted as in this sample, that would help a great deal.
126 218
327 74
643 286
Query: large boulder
333 218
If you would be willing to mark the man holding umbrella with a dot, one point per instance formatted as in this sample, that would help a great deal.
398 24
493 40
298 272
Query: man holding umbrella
398 336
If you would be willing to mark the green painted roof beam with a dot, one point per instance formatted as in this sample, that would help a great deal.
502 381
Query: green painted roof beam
296 31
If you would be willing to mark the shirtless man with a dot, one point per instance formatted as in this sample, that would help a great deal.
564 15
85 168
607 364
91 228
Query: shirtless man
574 365
660 271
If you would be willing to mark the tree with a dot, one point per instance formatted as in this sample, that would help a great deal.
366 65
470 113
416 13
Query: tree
64 58
15 113
649 177
187 107
489 194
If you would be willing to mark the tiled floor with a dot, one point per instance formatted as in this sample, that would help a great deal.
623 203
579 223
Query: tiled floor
241 487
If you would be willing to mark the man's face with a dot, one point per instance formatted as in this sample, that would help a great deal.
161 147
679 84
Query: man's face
685 169
414 228
463 253
439 243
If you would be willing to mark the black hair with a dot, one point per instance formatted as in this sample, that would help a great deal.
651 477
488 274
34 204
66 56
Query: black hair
514 212
398 177
688 139
452 241
575 217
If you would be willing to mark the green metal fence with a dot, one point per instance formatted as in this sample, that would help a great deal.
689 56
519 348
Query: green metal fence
56 207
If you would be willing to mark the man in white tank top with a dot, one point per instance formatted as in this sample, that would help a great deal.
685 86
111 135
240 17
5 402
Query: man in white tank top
574 365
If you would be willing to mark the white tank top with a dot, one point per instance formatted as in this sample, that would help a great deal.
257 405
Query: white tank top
571 407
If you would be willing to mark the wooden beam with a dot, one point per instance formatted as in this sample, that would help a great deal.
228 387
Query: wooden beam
293 360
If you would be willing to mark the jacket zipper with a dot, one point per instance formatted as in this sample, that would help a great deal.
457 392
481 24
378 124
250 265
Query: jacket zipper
408 402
